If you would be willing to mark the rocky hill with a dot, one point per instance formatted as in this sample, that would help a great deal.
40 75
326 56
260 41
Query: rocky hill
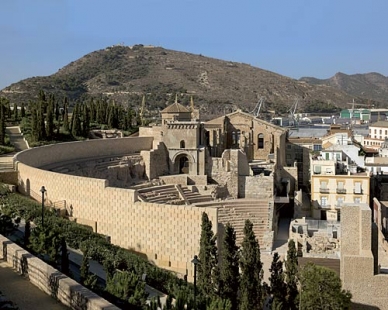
126 73
372 86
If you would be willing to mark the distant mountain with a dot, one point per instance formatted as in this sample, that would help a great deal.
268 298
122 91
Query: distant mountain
126 73
372 86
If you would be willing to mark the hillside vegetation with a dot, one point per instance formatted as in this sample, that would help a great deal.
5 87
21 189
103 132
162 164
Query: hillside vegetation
124 74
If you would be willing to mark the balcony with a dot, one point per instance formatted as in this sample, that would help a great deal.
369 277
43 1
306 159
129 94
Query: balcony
341 191
358 191
324 190
325 206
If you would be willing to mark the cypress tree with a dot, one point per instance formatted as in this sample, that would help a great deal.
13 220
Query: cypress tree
27 234
57 111
251 271
278 288
23 110
76 122
34 122
50 121
66 116
84 270
291 276
229 268
207 257
86 121
15 112
41 122
2 121
64 257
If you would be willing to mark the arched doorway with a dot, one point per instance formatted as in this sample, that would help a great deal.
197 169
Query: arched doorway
182 164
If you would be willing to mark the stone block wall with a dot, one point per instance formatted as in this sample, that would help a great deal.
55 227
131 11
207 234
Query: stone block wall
168 234
50 280
358 272
256 187
65 152
9 177
157 161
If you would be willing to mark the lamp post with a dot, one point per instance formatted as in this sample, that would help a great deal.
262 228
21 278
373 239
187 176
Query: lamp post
195 261
42 190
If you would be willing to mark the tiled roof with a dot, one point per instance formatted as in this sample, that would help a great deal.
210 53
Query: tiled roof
175 108
379 124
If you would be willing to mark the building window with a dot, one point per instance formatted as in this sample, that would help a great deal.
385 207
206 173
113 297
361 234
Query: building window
288 146
234 138
317 169
340 201
317 147
324 201
260 141
357 200
357 188
182 144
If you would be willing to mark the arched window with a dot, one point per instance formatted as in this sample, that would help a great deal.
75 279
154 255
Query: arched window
182 144
260 141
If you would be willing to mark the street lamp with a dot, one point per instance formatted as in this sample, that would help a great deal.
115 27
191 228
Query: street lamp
42 190
195 261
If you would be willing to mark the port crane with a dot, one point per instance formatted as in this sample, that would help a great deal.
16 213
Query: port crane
292 111
259 106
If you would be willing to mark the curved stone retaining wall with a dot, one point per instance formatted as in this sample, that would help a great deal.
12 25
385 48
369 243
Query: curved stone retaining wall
168 234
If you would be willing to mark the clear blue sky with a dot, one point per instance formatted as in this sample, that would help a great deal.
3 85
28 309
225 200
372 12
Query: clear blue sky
294 38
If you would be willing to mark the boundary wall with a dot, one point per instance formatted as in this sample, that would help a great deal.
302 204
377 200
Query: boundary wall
169 235
50 280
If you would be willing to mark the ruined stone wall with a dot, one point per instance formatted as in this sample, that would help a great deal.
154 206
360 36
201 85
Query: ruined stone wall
259 186
158 162
358 267
49 279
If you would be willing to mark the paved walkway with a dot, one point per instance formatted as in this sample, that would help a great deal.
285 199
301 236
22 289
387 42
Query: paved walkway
16 138
23 293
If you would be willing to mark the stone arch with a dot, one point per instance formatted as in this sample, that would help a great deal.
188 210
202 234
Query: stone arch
183 162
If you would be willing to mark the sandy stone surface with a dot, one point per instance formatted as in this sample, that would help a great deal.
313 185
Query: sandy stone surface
24 294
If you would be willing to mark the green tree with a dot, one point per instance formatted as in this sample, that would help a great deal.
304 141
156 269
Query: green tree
23 110
50 120
321 289
220 304
64 257
84 269
229 268
3 118
291 276
208 258
15 112
27 233
278 289
66 115
47 242
86 121
251 291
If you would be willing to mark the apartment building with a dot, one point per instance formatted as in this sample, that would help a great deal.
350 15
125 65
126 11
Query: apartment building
333 183
378 132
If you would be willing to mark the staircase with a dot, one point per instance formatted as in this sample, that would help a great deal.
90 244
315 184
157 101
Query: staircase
236 211
171 194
